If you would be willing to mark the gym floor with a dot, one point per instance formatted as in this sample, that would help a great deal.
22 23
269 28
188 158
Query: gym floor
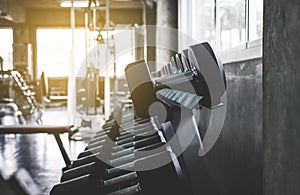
39 153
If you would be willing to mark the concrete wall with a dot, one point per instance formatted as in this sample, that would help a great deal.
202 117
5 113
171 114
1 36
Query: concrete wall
16 12
281 86
167 34
235 162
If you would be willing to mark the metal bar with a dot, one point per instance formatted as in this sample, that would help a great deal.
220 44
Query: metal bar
62 149
71 78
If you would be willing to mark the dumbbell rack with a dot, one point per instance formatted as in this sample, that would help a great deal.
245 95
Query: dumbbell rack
24 89
112 160
17 92
89 174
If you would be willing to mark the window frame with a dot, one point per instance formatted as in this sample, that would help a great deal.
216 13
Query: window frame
245 51
9 64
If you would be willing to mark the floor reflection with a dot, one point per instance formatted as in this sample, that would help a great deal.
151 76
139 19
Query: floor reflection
39 153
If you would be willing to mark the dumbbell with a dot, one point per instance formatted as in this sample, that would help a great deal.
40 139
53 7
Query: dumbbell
113 133
179 78
125 135
178 66
125 127
161 180
98 146
124 141
185 61
165 179
123 119
170 68
103 170
121 168
178 60
120 154
141 88
110 153
204 74
122 131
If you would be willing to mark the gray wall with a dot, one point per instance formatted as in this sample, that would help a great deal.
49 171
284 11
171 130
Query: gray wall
235 162
167 34
281 86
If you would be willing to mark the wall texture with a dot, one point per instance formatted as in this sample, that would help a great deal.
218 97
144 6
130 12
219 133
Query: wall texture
166 32
281 86
235 162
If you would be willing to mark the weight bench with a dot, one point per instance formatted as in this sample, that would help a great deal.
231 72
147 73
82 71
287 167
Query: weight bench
55 130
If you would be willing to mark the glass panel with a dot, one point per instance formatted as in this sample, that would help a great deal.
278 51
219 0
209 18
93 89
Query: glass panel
6 49
232 23
204 21
255 19
184 24
54 51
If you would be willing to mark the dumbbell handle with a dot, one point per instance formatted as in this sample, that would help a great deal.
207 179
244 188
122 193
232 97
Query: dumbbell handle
129 143
133 149
93 166
124 124
151 139
128 166
89 182
132 190
135 155
93 148
127 128
98 155
123 135
146 178
79 171
114 170
119 179
162 83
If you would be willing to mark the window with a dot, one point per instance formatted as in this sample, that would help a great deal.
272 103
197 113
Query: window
255 19
54 51
232 23
6 47
225 24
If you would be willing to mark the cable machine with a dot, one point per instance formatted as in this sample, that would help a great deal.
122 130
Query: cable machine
88 102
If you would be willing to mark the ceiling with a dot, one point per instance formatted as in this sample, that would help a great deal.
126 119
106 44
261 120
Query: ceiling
56 3
15 10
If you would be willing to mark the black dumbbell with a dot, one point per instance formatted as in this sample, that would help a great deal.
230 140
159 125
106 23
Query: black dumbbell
123 133
103 171
109 152
186 62
177 65
127 119
100 145
136 144
124 128
162 180
205 77
140 86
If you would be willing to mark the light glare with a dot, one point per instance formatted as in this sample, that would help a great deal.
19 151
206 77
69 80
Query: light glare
77 4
